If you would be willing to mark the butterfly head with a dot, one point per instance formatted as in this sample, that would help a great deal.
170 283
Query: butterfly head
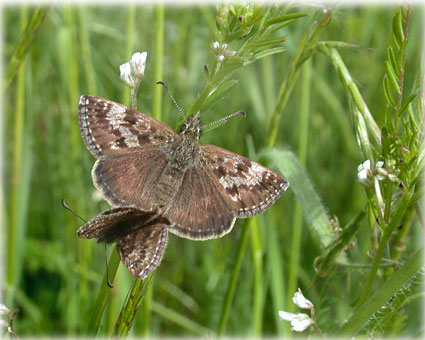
192 127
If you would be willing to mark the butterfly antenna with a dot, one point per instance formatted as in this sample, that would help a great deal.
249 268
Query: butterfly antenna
108 282
172 98
69 209
225 118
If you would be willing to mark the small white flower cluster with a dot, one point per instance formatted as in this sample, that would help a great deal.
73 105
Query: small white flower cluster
222 51
299 321
365 173
132 72
3 324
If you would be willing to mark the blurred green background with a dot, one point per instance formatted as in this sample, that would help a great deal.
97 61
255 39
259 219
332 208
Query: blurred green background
52 276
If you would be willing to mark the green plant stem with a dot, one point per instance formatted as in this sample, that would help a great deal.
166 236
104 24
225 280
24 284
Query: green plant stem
230 292
257 259
275 271
302 156
16 224
397 216
158 61
201 98
103 294
284 94
382 295
179 319
146 308
85 46
351 87
29 32
129 45
401 77
130 307
303 53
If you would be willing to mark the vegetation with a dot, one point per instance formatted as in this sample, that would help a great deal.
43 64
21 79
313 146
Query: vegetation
325 90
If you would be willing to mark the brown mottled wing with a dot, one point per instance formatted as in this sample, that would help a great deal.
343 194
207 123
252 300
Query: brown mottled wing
142 251
247 187
110 129
112 225
130 180
141 237
198 211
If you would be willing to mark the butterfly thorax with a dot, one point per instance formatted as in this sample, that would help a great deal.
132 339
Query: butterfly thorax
184 153
191 128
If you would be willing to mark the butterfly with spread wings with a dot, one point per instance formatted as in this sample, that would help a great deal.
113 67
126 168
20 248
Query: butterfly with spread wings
167 181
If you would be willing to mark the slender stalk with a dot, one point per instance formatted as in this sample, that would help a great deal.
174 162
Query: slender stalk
146 308
73 92
230 292
401 78
158 61
130 307
103 294
257 259
303 53
397 216
16 222
382 295
179 319
130 38
276 272
86 51
352 88
24 44
302 155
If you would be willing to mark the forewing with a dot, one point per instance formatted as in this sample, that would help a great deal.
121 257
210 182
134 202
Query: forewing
142 251
111 225
247 187
197 211
130 180
110 129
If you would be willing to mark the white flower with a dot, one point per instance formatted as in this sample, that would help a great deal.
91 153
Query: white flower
138 63
4 324
215 45
221 58
364 173
301 301
299 321
126 76
4 310
132 71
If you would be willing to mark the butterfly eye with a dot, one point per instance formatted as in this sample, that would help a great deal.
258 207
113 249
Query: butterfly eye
183 127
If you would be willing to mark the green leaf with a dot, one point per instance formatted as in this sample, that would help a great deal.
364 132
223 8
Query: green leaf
337 44
285 17
398 28
265 43
25 41
392 59
406 103
275 28
393 284
264 18
392 77
218 92
299 181
387 92
263 54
